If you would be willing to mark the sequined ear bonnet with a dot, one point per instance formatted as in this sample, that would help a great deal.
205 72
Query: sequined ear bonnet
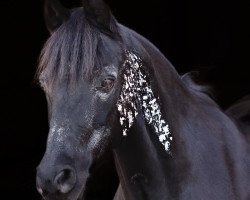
136 90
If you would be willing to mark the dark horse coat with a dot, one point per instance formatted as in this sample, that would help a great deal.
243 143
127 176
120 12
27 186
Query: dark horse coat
112 92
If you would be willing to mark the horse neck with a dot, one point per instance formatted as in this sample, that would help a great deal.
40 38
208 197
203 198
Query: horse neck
146 171
142 163
203 136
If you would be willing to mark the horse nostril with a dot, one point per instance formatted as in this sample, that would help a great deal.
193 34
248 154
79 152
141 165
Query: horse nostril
65 180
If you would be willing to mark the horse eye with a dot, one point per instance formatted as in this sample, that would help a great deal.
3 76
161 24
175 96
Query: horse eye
107 84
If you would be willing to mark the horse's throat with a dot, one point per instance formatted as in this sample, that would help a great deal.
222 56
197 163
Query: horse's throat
138 163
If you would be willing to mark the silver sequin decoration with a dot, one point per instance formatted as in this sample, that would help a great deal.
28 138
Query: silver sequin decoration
136 90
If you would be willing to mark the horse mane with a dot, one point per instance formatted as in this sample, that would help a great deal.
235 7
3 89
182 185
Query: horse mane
71 51
190 79
240 111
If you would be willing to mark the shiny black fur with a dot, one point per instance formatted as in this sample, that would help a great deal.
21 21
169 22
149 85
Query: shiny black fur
209 157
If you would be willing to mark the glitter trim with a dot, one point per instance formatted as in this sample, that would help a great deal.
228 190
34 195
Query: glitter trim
137 88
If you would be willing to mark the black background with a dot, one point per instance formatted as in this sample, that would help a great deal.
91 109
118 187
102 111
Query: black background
209 36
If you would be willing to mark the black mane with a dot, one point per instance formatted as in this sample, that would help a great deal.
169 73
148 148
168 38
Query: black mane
71 51
78 49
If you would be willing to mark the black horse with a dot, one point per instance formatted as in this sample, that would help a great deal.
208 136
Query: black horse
111 92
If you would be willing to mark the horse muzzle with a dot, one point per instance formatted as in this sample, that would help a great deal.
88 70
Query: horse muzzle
60 184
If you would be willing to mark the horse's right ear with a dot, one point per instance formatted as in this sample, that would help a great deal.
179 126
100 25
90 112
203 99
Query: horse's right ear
55 14
99 13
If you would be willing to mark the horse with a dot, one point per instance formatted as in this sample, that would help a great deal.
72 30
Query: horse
110 91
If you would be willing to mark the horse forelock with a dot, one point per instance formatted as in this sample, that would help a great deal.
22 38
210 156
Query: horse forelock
71 52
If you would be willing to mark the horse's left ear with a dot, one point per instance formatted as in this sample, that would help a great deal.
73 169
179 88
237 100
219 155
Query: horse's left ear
55 14
99 13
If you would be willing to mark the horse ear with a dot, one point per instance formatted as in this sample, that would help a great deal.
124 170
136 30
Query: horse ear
55 14
99 13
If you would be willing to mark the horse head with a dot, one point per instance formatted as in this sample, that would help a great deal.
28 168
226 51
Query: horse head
79 72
